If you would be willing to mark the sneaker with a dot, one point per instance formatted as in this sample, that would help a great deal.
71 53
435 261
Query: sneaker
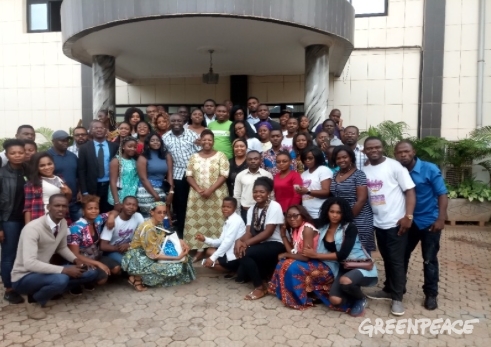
76 291
89 286
358 308
379 295
34 311
431 303
397 308
13 297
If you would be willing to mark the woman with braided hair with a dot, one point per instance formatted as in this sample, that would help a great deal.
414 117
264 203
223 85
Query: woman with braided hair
259 248
123 177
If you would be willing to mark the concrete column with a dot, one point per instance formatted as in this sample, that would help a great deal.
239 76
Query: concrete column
316 83
103 83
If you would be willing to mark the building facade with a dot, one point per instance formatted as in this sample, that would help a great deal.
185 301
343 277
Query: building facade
410 60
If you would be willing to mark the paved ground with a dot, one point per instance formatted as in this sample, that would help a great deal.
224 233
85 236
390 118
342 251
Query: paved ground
211 312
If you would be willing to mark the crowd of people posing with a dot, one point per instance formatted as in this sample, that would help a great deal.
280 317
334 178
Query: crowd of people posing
293 211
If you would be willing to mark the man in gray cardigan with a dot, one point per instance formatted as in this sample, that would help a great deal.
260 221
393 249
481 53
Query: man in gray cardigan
33 276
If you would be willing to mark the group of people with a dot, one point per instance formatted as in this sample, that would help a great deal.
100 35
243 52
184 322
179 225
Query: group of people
295 211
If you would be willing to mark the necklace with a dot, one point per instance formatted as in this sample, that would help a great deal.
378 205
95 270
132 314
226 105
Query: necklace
341 173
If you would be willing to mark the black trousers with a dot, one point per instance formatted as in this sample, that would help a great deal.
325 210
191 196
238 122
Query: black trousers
352 290
259 262
180 203
392 247
243 214
430 245
102 193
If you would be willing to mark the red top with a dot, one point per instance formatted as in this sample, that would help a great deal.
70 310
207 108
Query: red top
284 192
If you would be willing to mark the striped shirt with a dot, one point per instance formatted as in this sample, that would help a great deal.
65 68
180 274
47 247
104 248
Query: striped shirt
181 148
361 158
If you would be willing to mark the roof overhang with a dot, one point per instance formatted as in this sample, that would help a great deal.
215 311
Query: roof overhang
171 38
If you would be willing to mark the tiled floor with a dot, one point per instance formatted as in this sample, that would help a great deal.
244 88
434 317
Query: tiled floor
211 311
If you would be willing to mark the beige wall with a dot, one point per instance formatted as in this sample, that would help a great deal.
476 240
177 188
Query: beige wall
460 68
38 84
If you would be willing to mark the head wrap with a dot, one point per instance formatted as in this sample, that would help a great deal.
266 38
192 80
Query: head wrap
266 124
156 204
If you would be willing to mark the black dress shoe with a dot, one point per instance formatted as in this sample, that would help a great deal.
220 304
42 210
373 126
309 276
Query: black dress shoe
430 303
13 297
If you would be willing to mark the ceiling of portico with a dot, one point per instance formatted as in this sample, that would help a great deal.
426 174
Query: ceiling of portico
177 47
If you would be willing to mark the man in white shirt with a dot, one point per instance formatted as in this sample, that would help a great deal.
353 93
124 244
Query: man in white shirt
116 241
221 256
252 104
351 136
80 136
245 181
291 128
392 198
209 107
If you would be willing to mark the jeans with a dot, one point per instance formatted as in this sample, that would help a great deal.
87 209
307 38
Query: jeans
75 211
116 256
352 290
430 245
392 247
11 230
180 204
42 287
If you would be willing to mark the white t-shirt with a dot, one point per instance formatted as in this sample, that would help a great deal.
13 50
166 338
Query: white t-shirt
386 184
313 182
123 230
254 144
51 186
273 216
287 144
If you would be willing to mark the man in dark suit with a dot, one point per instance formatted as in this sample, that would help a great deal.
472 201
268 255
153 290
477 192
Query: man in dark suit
93 165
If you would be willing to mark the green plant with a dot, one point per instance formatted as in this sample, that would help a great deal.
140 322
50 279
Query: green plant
471 190
431 148
389 132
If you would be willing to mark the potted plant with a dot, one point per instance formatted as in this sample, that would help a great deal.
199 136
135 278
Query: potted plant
470 201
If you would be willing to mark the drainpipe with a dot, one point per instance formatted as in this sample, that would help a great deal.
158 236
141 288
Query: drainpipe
480 63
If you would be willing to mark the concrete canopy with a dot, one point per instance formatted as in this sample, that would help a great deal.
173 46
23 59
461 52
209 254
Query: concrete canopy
171 38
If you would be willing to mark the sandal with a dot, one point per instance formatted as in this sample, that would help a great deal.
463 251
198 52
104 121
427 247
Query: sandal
252 296
137 284
198 257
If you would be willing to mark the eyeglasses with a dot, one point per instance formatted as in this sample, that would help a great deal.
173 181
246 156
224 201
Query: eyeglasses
239 128
293 216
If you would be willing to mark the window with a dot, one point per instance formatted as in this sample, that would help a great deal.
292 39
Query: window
370 8
43 15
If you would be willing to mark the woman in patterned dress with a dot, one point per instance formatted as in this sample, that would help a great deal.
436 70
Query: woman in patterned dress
206 173
142 259
350 184
123 177
297 280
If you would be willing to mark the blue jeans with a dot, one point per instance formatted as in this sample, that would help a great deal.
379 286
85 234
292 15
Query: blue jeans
42 287
75 211
430 245
116 256
11 231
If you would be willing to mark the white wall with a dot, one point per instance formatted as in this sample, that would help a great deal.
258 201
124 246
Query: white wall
38 84
460 68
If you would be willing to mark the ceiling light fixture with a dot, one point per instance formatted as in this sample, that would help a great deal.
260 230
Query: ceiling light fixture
210 77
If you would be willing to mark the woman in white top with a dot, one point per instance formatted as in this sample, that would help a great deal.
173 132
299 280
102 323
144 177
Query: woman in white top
316 181
242 129
221 255
260 246
41 186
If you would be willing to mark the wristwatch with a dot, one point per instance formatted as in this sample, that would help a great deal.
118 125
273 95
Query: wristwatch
308 191
409 216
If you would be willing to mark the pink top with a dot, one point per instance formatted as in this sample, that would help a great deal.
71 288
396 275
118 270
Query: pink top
297 238
284 192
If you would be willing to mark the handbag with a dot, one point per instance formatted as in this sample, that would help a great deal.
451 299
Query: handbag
352 264
171 246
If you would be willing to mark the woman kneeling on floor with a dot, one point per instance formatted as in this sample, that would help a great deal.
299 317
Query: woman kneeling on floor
339 245
147 263
221 253
259 248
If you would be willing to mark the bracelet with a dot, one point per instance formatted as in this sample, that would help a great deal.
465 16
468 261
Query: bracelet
171 192
117 203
